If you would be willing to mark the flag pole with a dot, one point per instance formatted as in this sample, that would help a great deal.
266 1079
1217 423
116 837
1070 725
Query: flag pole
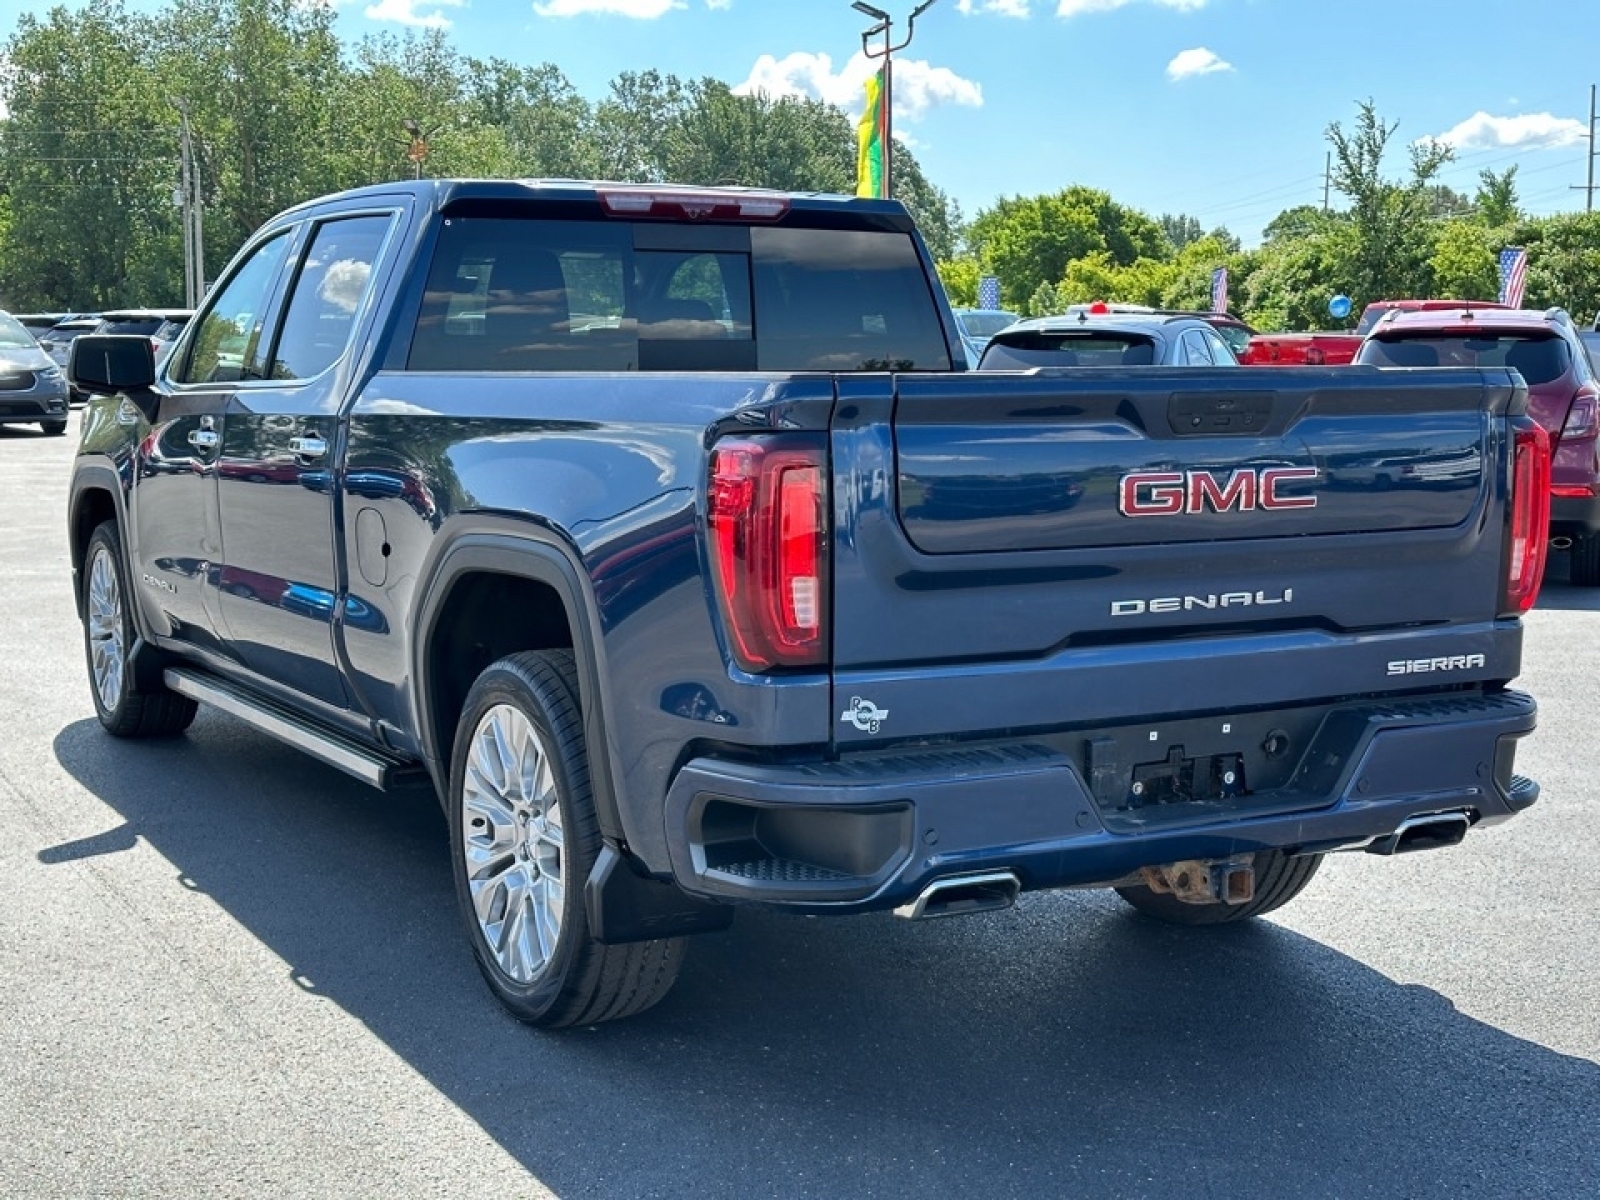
885 26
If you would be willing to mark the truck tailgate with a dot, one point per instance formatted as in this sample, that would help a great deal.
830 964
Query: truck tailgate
1177 540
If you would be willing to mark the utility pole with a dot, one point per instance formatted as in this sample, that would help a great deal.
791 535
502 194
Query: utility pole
1589 186
884 26
194 258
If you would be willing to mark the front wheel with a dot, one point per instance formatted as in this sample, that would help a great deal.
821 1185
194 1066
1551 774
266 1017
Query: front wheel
1279 879
125 707
523 837
53 428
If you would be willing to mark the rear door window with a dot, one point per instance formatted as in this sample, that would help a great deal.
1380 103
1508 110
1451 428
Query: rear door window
321 312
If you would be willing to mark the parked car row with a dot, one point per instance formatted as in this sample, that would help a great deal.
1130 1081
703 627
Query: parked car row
56 331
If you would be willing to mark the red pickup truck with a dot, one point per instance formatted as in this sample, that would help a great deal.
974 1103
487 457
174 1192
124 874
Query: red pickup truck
1337 347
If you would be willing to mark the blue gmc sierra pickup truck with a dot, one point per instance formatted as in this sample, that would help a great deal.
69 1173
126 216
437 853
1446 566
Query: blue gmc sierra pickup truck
665 534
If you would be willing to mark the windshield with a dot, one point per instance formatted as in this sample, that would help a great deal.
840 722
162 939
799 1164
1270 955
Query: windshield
985 322
1540 360
1022 351
13 336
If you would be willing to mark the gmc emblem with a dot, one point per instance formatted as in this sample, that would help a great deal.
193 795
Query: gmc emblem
1167 493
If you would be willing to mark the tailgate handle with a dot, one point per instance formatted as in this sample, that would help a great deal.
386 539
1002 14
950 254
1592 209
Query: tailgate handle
1207 414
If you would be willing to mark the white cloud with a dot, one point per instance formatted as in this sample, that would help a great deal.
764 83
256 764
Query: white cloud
1198 61
713 4
1531 131
917 85
1074 8
644 10
1005 8
405 12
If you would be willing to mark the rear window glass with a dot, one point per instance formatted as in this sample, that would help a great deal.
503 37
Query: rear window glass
985 323
140 326
506 294
1022 351
1540 360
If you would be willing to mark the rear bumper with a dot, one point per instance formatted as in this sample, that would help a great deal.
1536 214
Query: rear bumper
868 833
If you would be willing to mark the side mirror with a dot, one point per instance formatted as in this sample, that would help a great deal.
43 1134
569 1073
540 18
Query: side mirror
106 363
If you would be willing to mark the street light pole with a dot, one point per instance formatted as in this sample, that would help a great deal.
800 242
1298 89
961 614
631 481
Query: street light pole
885 26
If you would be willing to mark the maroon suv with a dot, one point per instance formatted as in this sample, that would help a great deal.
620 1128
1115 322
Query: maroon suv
1563 396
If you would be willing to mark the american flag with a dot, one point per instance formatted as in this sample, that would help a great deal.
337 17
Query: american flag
1219 290
989 292
1513 275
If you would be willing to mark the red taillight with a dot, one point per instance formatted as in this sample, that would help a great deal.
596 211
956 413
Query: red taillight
1529 518
767 515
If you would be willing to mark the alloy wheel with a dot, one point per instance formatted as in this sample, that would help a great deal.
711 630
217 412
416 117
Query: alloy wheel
513 843
104 622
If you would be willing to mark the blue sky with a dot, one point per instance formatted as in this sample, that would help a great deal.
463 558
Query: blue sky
1215 108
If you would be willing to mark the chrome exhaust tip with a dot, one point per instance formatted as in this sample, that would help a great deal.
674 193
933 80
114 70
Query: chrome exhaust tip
1426 831
960 895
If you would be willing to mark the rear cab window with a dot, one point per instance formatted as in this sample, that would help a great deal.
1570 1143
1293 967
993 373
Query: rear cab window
511 293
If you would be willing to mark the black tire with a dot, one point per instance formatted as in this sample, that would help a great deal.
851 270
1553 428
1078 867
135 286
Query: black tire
124 707
53 428
577 981
1585 559
1279 879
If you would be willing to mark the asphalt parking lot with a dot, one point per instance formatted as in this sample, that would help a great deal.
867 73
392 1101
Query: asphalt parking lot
228 971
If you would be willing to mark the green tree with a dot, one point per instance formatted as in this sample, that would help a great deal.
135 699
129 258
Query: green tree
1392 250
548 128
1496 200
1181 229
1563 262
1027 241
1464 265
89 156
960 277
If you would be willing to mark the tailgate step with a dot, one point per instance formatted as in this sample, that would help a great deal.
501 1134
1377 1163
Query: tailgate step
366 763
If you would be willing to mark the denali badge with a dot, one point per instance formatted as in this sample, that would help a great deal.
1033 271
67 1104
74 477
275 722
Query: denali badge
864 715
1172 604
1164 493
1425 666
152 581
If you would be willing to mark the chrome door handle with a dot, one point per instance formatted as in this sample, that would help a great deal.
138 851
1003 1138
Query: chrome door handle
308 447
205 439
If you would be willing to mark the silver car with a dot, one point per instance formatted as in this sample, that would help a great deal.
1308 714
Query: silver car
33 391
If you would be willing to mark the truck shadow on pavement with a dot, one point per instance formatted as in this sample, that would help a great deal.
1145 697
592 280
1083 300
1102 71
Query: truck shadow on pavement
1063 1048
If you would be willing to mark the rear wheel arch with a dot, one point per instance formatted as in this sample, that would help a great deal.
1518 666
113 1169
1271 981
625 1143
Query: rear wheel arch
496 593
94 501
